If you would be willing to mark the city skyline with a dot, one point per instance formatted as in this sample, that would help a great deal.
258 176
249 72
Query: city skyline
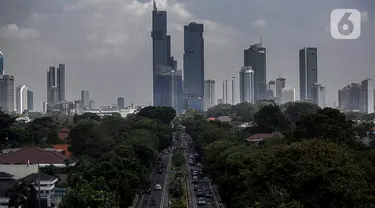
340 62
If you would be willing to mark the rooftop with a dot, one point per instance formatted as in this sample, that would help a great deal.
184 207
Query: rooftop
32 155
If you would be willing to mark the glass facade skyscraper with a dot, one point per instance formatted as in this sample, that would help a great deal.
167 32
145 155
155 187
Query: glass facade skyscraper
162 61
247 84
308 72
194 63
255 56
1 64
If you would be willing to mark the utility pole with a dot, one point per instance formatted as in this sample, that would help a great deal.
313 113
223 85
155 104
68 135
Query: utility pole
38 186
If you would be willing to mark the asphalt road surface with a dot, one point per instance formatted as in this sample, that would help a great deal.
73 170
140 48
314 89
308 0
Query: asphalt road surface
202 185
159 196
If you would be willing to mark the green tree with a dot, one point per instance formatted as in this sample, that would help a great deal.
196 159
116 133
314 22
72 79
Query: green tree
163 114
328 124
89 138
243 112
178 159
314 173
271 117
296 110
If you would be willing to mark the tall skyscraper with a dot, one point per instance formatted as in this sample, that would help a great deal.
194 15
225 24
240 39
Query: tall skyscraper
280 84
163 62
7 93
288 95
308 72
21 98
61 82
30 100
177 91
220 101
85 99
164 82
1 63
247 84
229 91
193 61
367 96
121 102
51 85
318 95
209 94
271 89
255 57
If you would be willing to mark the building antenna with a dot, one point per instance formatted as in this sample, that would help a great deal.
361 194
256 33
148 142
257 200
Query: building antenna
261 40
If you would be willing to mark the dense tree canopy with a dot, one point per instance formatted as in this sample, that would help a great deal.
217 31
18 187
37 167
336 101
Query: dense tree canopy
319 162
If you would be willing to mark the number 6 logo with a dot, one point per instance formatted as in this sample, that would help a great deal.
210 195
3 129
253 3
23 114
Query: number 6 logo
345 24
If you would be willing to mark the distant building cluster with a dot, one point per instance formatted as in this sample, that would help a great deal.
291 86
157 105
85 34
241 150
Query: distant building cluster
188 88
357 97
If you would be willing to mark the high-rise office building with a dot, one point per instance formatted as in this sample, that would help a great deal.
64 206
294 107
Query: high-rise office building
60 79
288 95
193 59
51 84
178 96
164 82
255 56
349 97
85 99
209 94
1 63
7 93
367 96
21 98
30 100
357 97
92 104
271 89
308 72
318 95
247 85
280 84
220 101
229 91
161 56
121 102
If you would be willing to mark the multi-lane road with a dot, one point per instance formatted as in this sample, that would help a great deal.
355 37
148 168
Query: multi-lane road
160 197
202 189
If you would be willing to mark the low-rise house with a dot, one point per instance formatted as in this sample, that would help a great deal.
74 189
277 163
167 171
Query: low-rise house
63 134
263 136
7 183
25 161
45 183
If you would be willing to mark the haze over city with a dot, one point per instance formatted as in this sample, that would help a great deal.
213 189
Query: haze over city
107 48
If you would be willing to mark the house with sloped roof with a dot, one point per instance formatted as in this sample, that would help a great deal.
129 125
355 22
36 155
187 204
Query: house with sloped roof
263 136
25 161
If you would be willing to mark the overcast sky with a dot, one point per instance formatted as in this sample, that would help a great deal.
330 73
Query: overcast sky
106 44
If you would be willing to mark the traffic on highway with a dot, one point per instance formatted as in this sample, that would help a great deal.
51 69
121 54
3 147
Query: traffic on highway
156 194
199 187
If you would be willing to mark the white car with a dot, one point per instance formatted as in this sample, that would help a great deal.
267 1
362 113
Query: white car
157 187
201 201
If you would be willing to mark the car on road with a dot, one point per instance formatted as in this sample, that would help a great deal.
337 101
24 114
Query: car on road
209 195
199 165
160 171
196 187
163 165
157 187
201 201
148 191
200 193
195 181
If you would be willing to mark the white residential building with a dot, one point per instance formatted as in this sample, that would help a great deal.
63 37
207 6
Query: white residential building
288 95
21 98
